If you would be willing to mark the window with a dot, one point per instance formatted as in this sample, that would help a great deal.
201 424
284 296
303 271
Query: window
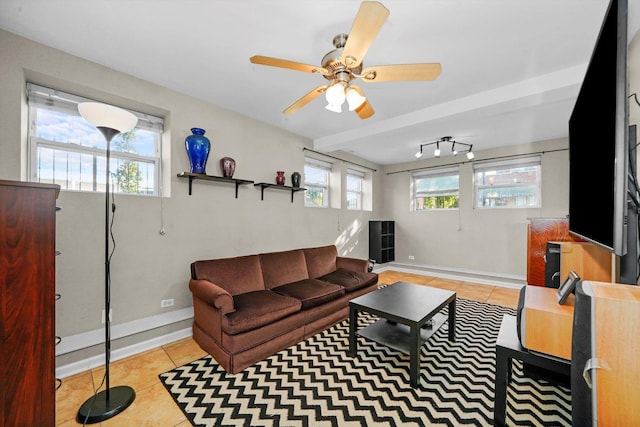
316 180
354 189
436 189
508 184
66 150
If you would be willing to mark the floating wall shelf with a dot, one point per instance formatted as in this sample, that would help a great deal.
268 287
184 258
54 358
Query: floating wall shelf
193 176
264 185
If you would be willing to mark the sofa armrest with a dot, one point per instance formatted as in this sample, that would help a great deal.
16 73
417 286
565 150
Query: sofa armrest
212 294
352 264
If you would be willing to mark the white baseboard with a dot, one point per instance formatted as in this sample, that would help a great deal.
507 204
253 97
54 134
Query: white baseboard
96 337
482 277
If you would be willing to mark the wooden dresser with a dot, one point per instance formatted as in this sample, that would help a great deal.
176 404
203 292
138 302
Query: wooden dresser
27 303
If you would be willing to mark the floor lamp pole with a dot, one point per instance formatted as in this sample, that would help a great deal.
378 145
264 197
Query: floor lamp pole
111 401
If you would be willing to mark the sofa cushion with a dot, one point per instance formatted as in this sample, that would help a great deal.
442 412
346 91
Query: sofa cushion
256 309
279 268
350 280
310 292
321 260
236 275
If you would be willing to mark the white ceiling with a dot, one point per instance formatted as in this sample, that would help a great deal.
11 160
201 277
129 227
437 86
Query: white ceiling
510 69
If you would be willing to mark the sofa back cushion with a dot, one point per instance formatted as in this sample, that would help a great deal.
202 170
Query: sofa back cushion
236 275
279 268
321 260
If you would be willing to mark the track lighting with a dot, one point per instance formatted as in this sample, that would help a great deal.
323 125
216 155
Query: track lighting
454 149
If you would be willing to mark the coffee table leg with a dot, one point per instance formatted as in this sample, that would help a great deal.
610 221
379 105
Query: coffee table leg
414 362
353 340
452 320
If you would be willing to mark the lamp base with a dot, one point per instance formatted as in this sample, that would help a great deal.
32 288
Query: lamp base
97 408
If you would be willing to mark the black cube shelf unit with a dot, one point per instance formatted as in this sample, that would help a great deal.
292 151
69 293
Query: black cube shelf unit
382 241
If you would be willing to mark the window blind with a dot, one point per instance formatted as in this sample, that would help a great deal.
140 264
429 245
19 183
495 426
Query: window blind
44 97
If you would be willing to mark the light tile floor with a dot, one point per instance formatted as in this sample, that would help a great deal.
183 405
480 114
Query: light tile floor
154 407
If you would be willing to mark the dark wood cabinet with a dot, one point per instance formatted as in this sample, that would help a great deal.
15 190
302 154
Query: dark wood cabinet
382 241
27 303
541 231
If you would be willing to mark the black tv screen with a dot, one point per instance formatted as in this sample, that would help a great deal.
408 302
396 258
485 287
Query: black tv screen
598 140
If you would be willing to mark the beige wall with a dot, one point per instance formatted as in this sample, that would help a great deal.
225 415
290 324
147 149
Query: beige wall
146 266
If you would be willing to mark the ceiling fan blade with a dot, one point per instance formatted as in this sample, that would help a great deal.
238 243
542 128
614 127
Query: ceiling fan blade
369 20
283 63
401 72
305 99
365 110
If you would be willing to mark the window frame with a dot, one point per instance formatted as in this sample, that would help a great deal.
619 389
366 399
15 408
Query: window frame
360 176
434 173
506 165
41 97
326 168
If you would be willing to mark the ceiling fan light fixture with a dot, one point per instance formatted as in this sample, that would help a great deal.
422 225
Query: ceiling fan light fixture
335 94
354 99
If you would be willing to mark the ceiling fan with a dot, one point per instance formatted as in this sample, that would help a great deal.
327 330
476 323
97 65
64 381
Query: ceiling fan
343 65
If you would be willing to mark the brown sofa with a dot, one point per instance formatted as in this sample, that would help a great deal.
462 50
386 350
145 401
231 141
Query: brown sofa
248 308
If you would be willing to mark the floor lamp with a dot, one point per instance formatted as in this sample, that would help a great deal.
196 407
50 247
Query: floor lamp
110 121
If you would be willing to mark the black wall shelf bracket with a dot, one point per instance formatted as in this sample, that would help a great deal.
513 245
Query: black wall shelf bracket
194 176
264 185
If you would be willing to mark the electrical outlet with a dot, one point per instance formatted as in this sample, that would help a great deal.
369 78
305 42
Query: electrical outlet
412 257
110 316
166 303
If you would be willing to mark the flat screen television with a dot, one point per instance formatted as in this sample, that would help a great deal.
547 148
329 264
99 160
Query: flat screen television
598 140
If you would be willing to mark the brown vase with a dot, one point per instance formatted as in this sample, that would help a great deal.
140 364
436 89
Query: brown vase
280 178
228 166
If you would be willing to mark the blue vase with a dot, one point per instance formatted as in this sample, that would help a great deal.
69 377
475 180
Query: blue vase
198 147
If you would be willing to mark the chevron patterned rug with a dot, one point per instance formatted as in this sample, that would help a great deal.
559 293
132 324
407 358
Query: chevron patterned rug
315 383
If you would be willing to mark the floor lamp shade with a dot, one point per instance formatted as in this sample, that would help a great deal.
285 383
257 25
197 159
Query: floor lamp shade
107 116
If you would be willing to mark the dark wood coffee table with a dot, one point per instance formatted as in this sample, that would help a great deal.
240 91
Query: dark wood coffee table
404 310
